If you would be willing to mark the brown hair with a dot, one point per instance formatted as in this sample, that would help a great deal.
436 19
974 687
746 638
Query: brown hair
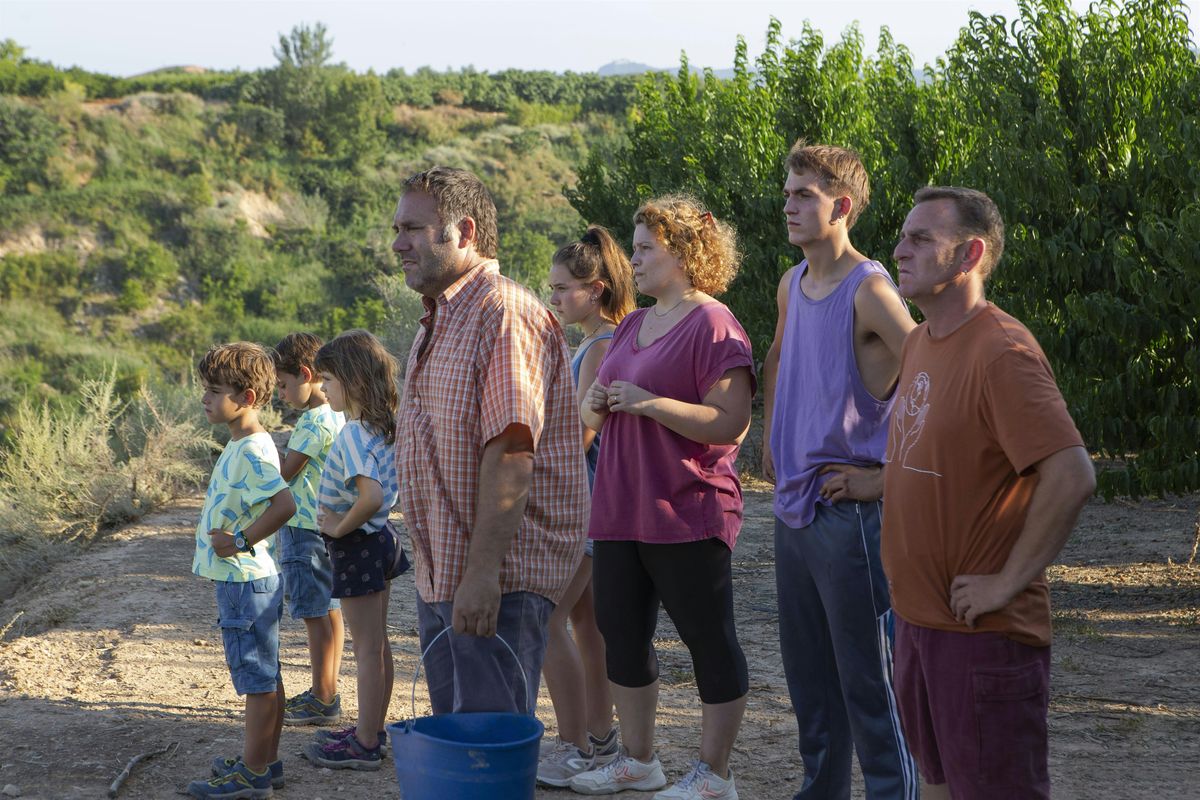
977 217
296 350
368 375
459 194
841 172
598 257
242 366
706 246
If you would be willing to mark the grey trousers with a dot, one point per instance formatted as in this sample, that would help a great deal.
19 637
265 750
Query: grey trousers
470 673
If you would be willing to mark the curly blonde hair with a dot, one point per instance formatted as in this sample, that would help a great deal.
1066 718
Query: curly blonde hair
706 246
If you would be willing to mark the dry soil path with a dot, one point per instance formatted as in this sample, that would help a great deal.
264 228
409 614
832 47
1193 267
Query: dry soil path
114 654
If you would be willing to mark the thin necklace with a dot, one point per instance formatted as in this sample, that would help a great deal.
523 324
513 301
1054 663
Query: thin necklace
599 325
654 308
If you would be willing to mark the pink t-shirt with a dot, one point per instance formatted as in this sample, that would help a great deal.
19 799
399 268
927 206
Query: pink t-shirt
652 484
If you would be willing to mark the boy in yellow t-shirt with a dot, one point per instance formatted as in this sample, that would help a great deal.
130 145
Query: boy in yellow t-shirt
307 573
247 501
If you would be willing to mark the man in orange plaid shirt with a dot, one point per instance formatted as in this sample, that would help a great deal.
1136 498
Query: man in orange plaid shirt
492 478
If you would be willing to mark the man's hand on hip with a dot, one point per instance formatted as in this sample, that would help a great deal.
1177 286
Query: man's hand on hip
972 596
477 605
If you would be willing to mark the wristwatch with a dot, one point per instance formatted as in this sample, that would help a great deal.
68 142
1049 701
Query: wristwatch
239 541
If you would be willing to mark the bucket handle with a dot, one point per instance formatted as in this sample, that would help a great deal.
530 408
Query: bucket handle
433 641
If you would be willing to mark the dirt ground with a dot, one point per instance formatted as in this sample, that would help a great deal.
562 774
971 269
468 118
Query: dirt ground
113 653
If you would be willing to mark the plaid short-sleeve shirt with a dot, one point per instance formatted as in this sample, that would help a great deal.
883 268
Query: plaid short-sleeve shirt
489 355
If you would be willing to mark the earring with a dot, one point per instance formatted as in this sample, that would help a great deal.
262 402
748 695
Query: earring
593 299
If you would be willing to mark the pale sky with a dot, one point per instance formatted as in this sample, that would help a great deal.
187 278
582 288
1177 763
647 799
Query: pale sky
120 37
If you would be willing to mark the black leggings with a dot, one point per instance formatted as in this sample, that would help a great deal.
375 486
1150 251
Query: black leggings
694 582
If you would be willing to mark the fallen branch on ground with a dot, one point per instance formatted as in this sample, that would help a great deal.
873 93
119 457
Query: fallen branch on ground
4 631
116 784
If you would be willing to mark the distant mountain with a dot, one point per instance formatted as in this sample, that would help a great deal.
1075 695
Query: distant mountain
180 70
624 66
627 67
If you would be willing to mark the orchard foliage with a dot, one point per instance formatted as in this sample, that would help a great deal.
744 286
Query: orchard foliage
1082 127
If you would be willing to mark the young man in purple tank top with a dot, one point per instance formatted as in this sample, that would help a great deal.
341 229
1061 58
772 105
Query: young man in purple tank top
829 377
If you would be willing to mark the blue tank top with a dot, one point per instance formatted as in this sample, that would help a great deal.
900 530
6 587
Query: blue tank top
823 413
593 452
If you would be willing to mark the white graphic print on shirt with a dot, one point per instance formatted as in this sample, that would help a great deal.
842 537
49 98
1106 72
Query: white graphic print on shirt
908 421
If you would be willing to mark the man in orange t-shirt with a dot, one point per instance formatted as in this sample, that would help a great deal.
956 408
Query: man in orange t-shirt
986 475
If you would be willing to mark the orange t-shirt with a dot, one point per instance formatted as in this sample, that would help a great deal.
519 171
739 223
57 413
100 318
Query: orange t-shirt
974 412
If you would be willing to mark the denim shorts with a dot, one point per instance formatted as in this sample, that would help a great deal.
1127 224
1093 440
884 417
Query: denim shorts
307 573
248 614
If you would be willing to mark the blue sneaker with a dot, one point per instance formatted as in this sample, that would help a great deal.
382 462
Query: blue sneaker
344 753
325 737
224 766
307 709
238 784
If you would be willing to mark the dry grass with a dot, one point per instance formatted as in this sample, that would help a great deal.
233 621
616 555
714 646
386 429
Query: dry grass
73 472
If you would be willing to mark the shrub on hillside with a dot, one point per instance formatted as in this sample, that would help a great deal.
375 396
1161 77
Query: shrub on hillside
28 140
72 472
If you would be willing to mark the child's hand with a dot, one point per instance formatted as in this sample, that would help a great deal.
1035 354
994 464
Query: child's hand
222 543
328 521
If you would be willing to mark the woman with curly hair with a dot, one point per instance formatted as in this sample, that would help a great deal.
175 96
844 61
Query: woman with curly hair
672 402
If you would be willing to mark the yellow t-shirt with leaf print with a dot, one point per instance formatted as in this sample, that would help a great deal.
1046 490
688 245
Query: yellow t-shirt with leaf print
314 434
244 480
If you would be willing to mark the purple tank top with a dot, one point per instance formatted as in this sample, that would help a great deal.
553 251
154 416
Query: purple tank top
823 413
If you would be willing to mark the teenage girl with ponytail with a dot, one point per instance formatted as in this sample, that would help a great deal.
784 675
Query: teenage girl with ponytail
591 285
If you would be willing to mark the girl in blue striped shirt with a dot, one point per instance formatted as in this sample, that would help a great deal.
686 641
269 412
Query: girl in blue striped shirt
357 492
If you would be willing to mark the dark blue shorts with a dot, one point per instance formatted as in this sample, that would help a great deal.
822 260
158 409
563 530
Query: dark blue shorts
361 561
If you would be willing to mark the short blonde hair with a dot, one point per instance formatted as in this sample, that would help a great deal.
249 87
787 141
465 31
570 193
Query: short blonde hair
241 366
706 246
840 169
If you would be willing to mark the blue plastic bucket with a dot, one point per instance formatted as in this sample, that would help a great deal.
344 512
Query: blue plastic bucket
476 756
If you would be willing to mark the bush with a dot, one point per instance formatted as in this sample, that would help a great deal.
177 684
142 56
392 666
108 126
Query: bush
528 115
525 257
28 140
43 275
72 472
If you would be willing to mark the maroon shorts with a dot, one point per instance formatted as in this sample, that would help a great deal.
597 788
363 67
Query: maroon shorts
973 706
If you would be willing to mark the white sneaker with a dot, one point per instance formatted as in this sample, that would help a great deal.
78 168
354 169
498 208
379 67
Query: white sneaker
563 762
622 773
701 783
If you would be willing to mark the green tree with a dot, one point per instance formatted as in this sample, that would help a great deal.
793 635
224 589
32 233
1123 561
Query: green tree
305 48
1095 172
299 83
1082 127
